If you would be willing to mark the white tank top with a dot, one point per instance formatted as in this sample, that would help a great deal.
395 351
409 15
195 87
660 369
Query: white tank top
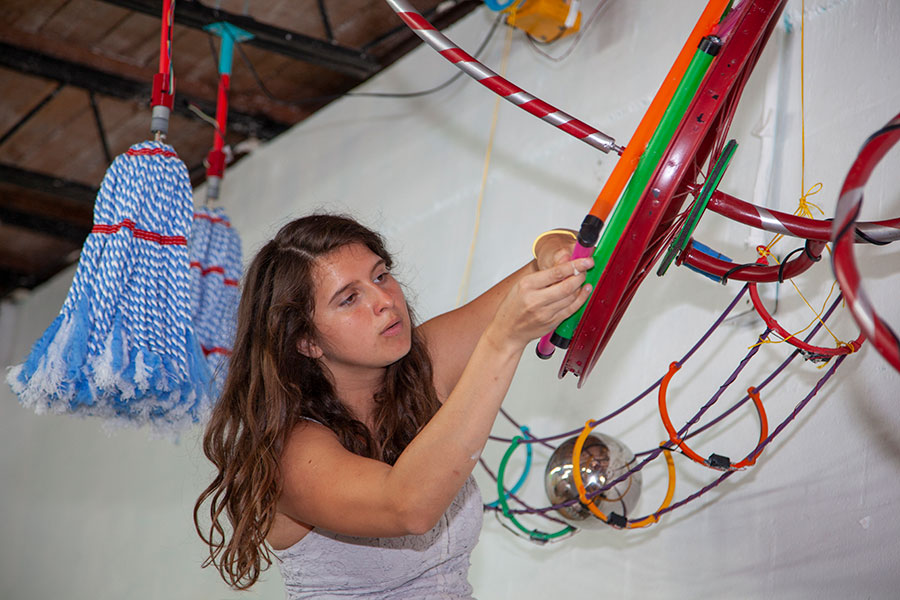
435 565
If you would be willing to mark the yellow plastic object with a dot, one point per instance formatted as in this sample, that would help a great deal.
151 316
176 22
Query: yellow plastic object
547 20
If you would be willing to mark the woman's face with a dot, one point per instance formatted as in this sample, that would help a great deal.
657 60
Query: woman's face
360 316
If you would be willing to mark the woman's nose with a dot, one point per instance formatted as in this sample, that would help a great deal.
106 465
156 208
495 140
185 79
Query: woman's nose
382 299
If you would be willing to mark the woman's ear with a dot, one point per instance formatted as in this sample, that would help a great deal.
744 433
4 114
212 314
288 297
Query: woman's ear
309 349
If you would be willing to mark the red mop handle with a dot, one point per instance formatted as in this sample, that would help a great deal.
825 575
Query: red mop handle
163 83
216 157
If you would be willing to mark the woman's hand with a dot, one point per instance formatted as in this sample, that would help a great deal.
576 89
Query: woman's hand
540 301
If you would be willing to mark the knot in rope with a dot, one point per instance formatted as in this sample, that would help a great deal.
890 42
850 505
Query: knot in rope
803 209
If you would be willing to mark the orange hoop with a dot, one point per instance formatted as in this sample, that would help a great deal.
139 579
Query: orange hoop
715 461
582 493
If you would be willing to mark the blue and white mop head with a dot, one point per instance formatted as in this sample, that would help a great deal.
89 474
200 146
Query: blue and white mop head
215 250
123 346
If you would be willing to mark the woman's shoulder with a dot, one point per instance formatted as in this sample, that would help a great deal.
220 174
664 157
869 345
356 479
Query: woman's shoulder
307 429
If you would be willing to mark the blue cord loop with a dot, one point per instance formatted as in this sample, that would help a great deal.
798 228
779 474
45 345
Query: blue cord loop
524 476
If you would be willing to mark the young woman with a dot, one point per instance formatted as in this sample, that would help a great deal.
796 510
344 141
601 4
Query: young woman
346 434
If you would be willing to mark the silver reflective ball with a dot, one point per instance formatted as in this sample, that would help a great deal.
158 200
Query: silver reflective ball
603 459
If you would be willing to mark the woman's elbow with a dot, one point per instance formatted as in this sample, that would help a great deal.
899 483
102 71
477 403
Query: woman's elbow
417 517
419 524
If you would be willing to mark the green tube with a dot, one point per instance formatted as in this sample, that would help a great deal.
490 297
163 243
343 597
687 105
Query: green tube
533 534
657 145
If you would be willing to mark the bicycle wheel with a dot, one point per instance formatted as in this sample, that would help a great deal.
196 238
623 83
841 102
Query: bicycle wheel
700 136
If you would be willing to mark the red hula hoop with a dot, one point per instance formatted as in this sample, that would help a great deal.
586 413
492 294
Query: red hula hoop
756 274
787 224
810 352
845 271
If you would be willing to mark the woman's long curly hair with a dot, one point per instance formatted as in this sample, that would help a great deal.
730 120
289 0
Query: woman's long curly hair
271 385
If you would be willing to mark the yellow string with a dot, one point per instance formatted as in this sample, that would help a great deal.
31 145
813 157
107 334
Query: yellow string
802 98
804 208
818 313
467 273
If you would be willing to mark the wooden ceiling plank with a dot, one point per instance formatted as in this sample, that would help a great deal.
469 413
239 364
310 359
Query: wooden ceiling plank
194 59
69 129
300 16
39 135
365 21
29 15
33 252
30 92
134 39
58 228
68 23
37 202
288 83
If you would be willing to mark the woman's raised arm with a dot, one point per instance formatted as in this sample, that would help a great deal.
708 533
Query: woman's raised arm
451 337
329 487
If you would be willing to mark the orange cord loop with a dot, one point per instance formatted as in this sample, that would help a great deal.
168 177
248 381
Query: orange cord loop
576 472
670 492
715 461
582 493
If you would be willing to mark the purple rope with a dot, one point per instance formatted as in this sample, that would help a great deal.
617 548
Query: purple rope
528 508
772 376
737 371
641 396
765 442
688 354
657 451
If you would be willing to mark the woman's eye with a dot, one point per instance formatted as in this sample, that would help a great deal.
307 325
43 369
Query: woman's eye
348 300
382 277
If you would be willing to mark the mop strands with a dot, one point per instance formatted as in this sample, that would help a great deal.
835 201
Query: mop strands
215 248
123 347
215 252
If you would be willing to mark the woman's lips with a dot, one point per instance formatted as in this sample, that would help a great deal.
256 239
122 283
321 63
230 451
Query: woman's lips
395 328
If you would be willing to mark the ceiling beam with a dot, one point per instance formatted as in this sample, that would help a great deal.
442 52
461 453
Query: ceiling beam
100 82
124 88
48 185
47 225
189 13
10 280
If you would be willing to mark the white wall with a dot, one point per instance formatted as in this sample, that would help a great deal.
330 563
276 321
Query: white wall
85 515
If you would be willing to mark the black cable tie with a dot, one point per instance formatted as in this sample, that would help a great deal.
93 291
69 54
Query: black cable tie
559 341
590 231
814 357
785 262
811 256
617 521
710 44
734 270
717 461
537 537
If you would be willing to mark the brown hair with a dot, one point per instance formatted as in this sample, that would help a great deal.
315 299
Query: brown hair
271 385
